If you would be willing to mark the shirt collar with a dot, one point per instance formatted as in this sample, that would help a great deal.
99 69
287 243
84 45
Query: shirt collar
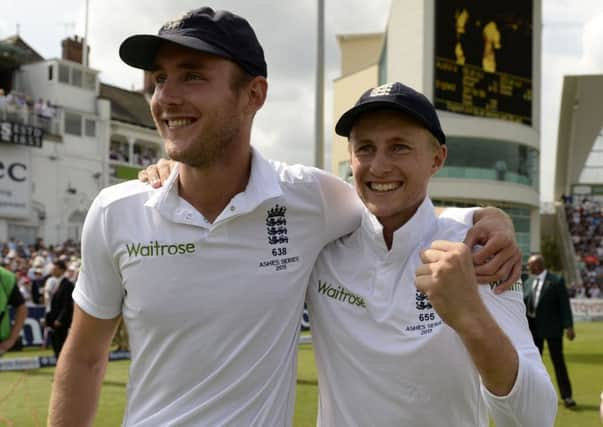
542 276
60 278
263 184
415 234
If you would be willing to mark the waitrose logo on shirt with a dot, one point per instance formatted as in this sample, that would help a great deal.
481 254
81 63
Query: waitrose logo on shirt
159 249
339 293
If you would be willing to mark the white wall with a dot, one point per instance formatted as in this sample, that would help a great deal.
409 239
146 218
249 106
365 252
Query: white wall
34 80
405 43
64 161
479 189
52 179
481 127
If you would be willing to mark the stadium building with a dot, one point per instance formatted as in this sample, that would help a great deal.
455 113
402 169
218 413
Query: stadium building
63 136
578 189
479 62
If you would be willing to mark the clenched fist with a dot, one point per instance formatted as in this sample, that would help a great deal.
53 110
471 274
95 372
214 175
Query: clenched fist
447 277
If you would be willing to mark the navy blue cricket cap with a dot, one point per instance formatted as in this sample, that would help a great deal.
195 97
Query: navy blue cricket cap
220 33
393 97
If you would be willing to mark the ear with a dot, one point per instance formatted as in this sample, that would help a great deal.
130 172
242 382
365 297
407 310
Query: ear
257 90
439 158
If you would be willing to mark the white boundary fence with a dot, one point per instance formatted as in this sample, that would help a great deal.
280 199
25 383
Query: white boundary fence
27 363
587 309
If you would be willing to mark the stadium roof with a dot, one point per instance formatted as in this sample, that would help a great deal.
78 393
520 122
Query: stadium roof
580 123
127 106
14 52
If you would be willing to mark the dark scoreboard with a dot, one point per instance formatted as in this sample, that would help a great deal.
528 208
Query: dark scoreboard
483 58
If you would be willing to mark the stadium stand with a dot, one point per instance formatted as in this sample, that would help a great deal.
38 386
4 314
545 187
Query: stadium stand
585 224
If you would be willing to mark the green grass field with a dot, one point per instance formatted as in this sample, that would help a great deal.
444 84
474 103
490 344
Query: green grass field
24 395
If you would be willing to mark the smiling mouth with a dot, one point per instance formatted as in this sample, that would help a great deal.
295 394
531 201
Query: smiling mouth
384 187
178 123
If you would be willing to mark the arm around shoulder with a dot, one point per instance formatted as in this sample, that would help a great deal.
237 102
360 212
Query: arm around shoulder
341 206
499 258
80 371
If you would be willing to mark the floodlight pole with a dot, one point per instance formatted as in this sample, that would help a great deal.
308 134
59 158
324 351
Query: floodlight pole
85 42
320 88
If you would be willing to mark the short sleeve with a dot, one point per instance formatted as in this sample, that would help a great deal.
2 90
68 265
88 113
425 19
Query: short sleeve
98 291
532 400
461 215
342 209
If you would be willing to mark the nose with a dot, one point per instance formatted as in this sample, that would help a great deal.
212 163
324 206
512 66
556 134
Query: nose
381 164
168 93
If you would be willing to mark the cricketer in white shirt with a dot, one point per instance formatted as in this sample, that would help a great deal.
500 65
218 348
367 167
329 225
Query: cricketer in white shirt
212 310
384 355
210 272
403 334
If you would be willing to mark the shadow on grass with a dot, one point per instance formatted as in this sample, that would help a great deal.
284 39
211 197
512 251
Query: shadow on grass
584 408
50 373
585 358
302 381
115 383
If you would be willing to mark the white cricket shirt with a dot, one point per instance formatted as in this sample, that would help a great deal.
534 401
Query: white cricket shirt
213 310
384 356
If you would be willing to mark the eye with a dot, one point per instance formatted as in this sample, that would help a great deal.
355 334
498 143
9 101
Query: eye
159 78
364 149
193 76
400 148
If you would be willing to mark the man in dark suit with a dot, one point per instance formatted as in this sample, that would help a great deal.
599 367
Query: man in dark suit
549 313
61 312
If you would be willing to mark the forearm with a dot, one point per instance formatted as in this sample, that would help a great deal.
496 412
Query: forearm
532 401
492 353
80 371
75 389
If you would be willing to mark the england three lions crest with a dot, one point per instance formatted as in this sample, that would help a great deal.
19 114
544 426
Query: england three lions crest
276 225
422 301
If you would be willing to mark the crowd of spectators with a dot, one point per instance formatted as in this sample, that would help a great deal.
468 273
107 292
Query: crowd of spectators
142 156
33 264
585 222
21 107
38 280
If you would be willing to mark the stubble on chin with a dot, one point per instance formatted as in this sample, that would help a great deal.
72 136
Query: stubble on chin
208 151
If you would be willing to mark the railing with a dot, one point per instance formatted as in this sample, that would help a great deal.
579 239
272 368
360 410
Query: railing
15 114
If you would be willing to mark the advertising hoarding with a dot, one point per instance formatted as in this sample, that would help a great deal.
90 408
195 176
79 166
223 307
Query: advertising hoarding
15 181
